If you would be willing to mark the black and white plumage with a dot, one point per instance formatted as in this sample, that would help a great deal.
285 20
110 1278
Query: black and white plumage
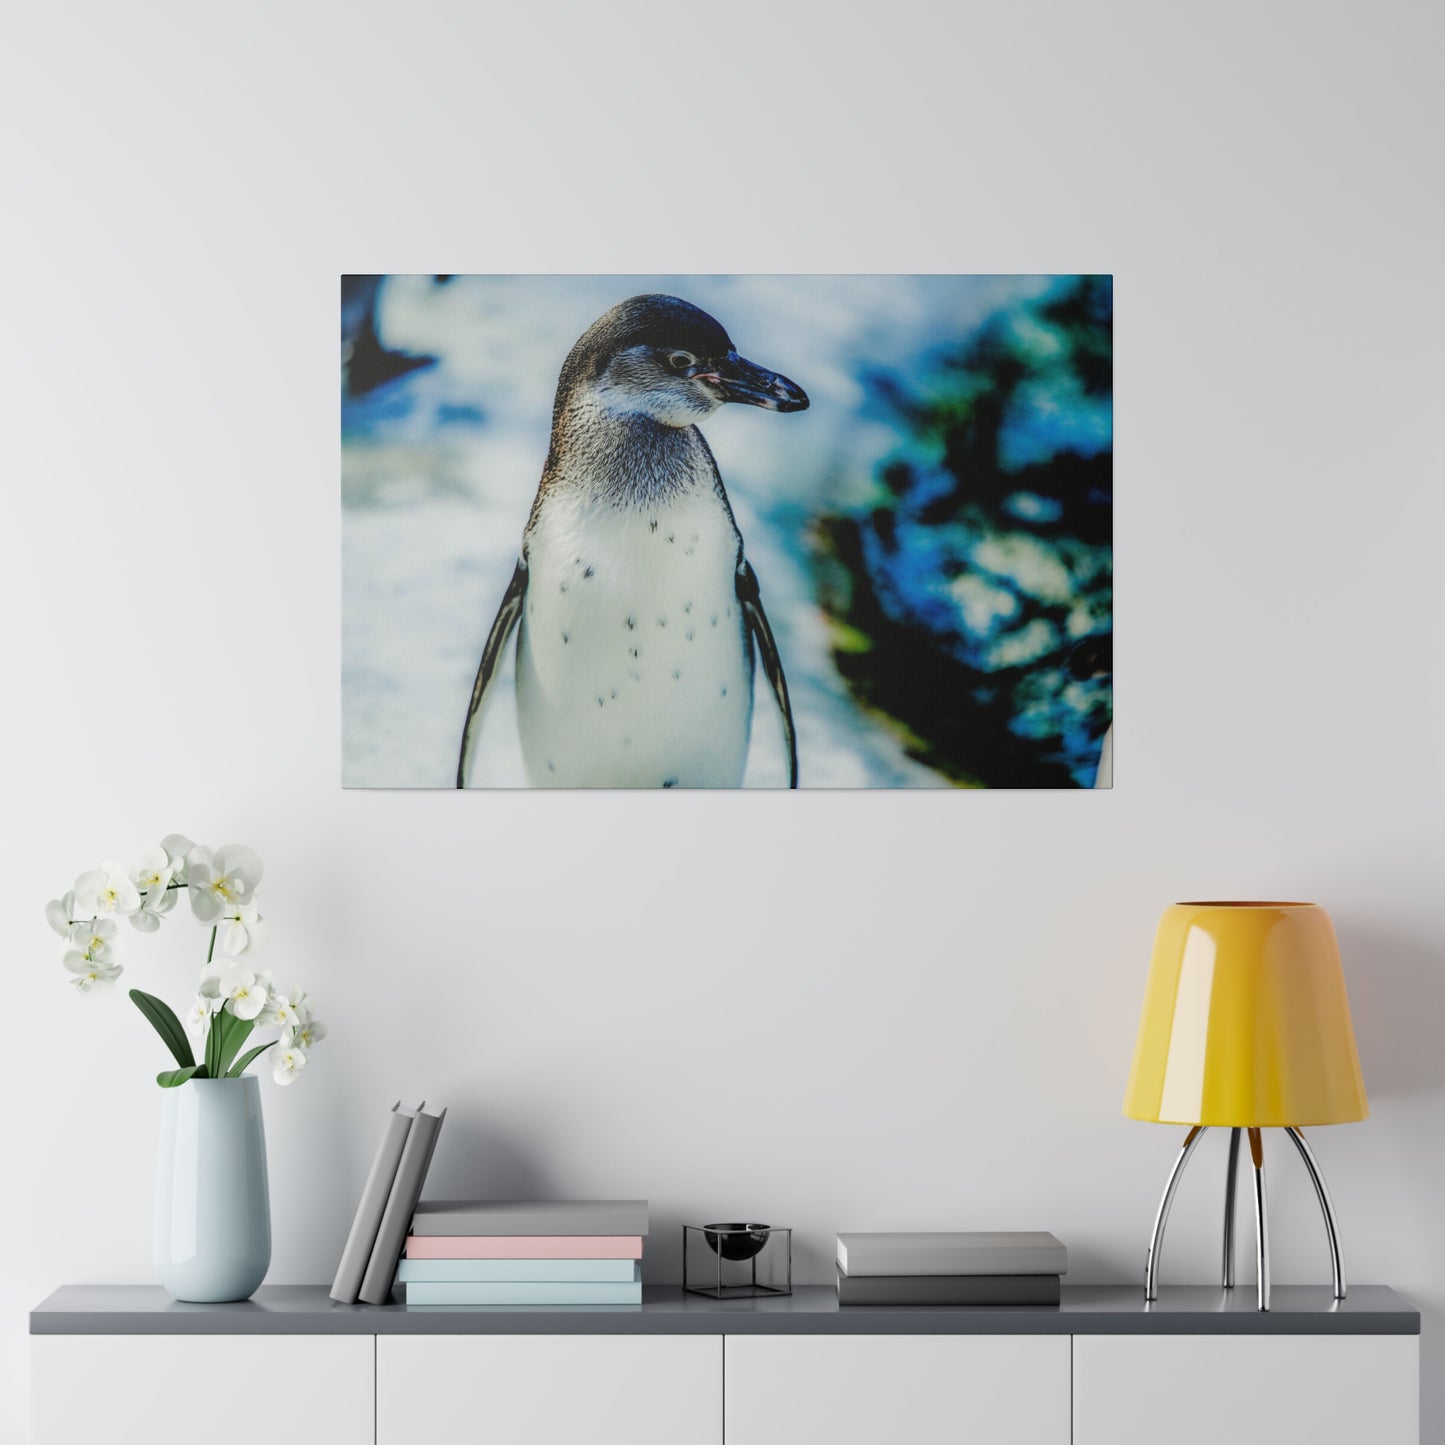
637 614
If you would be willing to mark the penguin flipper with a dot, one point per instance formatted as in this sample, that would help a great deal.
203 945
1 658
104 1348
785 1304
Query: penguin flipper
752 604
507 616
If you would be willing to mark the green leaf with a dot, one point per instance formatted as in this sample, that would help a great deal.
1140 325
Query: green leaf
166 1024
173 1078
213 1043
234 1032
249 1058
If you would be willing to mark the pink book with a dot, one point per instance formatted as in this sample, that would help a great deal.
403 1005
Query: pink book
524 1246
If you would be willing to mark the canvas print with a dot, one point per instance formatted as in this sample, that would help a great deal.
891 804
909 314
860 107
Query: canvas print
727 531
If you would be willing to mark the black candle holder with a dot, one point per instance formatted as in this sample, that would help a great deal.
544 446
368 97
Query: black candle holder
737 1261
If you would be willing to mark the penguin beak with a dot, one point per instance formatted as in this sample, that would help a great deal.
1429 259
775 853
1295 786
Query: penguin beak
742 380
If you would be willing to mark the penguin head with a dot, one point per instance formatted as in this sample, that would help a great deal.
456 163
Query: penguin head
663 358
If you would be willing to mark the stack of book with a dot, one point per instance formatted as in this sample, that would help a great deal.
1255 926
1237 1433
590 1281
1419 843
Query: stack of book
960 1268
388 1201
556 1252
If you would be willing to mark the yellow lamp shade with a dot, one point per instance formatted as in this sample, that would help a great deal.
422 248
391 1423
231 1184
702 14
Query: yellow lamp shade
1246 1023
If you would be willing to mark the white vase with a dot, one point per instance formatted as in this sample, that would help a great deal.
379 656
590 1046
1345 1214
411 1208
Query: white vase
213 1212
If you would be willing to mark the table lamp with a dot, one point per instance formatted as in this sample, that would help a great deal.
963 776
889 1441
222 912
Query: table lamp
1246 1026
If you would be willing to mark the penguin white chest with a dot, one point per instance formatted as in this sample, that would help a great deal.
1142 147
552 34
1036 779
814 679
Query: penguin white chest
634 666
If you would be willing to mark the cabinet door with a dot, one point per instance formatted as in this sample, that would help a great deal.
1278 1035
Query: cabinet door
219 1389
548 1390
1246 1389
898 1389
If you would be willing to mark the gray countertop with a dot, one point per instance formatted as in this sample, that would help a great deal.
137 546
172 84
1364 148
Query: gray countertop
1086 1310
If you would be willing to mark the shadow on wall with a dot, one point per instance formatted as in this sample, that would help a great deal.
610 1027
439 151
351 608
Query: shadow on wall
1090 1263
662 1255
1397 998
475 1159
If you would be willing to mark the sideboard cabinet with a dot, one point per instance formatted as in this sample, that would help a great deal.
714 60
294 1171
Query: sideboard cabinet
124 1364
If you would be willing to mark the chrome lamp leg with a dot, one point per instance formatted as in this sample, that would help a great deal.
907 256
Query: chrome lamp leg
1261 1219
1230 1179
1261 1212
1156 1239
1332 1231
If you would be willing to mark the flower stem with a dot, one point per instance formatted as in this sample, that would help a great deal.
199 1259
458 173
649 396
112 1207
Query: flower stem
211 951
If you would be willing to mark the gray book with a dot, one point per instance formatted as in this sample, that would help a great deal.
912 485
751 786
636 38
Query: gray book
531 1217
421 1140
948 1289
356 1254
956 1252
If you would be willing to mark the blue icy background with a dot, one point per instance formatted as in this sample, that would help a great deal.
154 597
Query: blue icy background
933 536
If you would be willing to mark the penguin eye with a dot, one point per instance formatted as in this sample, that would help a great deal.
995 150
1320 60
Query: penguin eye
681 360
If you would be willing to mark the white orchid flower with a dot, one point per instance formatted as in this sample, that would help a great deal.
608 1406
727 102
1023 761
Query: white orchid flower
78 902
217 882
293 1013
178 848
95 939
198 1018
59 912
157 904
243 930
89 973
286 1063
278 1011
308 1034
152 877
153 870
105 890
210 985
244 993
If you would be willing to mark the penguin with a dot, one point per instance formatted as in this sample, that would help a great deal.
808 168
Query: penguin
638 616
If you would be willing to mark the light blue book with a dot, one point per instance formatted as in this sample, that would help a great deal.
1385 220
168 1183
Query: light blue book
556 1292
519 1271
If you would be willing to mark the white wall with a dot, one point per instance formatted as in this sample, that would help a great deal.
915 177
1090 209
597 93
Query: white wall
830 1011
